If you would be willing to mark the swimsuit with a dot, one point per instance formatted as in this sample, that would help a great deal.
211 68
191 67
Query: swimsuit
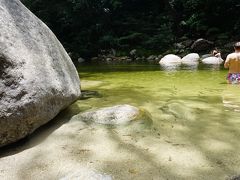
234 78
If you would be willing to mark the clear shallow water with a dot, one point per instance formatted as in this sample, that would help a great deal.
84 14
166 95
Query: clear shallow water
196 118
195 130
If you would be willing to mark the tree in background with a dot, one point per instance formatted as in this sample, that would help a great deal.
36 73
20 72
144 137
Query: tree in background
87 26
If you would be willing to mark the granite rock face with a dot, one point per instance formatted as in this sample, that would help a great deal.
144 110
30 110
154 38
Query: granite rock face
37 77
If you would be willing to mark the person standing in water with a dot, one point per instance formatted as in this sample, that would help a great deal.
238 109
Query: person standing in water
233 63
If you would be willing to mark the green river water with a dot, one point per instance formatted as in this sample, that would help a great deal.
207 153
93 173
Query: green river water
196 119
190 131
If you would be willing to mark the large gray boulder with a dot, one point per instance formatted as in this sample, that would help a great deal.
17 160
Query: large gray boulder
37 77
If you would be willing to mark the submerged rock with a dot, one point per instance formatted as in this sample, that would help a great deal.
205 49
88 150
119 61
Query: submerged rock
37 77
116 115
112 115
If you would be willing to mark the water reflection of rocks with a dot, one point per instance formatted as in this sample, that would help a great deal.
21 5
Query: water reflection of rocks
190 66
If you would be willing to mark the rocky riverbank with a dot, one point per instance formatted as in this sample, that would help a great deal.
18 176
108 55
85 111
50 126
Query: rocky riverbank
201 46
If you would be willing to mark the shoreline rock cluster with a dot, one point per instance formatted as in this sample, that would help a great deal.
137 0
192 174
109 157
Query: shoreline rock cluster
182 49
190 59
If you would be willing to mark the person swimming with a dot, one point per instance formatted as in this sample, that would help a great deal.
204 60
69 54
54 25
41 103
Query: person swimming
216 53
233 64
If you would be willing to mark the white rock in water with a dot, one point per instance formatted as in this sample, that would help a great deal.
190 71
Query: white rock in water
170 59
120 114
37 77
192 58
212 60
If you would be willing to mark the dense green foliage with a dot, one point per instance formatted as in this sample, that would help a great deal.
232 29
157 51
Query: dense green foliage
87 26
